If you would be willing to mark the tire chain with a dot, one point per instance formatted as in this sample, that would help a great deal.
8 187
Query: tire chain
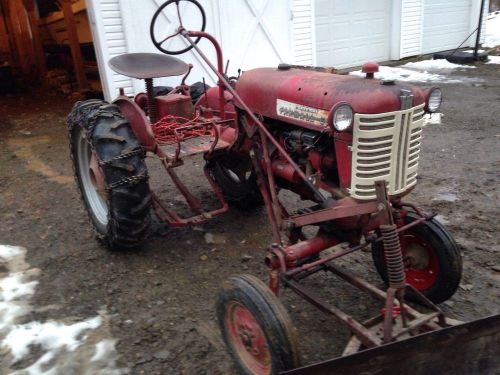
137 151
128 180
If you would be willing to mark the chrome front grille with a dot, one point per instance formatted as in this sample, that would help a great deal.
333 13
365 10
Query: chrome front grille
385 146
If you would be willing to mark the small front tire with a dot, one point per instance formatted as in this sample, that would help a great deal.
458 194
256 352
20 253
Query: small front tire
256 327
433 264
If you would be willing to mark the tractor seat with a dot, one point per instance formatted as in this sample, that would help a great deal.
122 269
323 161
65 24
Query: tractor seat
147 65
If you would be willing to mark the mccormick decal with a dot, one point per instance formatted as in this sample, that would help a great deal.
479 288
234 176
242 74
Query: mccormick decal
311 115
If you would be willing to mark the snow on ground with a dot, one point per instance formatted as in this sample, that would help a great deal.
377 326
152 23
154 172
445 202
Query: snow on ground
492 33
418 72
402 74
493 60
423 71
79 346
432 118
435 64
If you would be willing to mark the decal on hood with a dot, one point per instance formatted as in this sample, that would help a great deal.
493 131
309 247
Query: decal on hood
300 112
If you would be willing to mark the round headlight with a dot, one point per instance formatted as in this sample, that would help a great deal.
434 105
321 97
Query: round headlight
434 101
342 117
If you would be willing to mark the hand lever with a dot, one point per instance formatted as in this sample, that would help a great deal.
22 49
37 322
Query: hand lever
190 66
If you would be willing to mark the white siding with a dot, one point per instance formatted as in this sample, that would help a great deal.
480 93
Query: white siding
303 32
109 41
411 26
438 25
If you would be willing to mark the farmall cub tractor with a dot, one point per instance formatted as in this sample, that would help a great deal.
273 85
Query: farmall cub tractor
350 146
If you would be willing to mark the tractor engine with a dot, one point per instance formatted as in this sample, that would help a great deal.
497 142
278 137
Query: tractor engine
345 132
313 152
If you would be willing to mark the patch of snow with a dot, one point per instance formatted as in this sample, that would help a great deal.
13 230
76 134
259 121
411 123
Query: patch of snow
13 287
472 51
52 336
493 60
446 196
492 32
16 287
432 118
422 71
406 75
435 64
64 345
37 367
103 349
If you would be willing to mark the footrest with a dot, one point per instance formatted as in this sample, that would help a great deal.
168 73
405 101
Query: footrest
194 146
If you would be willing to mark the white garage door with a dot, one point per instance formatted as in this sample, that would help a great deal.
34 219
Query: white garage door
252 33
446 24
349 33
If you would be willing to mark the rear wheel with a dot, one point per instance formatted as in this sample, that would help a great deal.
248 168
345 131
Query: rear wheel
235 176
256 327
110 172
433 264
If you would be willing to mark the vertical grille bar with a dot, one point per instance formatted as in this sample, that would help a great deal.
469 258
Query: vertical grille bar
405 150
399 145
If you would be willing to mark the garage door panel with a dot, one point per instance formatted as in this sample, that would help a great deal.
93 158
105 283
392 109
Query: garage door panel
322 35
341 30
446 24
338 6
351 33
377 28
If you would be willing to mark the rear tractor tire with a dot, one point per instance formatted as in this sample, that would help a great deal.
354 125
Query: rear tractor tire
110 172
236 178
256 327
433 264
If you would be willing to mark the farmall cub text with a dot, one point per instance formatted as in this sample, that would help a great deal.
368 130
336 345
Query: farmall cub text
349 145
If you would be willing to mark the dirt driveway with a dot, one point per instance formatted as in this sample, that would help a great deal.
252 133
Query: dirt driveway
156 305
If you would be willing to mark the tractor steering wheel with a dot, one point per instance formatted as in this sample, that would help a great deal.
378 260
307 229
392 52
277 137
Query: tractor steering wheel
158 43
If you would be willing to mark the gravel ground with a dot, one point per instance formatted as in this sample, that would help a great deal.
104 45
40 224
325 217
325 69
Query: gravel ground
159 301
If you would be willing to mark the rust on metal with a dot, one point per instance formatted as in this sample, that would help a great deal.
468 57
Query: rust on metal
333 213
469 348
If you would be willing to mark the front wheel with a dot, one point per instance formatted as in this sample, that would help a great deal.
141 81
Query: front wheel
256 327
111 173
433 264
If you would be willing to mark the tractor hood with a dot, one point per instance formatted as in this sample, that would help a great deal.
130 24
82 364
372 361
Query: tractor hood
305 97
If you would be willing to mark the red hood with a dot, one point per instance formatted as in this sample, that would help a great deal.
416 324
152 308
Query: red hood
261 88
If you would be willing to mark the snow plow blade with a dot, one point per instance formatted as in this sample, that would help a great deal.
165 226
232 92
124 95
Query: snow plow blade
469 348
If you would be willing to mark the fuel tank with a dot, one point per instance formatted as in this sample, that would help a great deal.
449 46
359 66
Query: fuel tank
305 98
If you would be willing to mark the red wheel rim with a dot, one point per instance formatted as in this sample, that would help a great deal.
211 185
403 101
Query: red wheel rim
247 339
421 262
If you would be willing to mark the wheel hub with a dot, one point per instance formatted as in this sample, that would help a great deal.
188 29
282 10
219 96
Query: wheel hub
96 176
248 339
92 181
421 266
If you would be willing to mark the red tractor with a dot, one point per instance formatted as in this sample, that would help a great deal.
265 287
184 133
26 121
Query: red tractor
350 146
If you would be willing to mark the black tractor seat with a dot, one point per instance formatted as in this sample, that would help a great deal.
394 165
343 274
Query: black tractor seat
147 65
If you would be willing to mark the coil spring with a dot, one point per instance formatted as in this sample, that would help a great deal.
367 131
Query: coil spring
152 109
393 256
